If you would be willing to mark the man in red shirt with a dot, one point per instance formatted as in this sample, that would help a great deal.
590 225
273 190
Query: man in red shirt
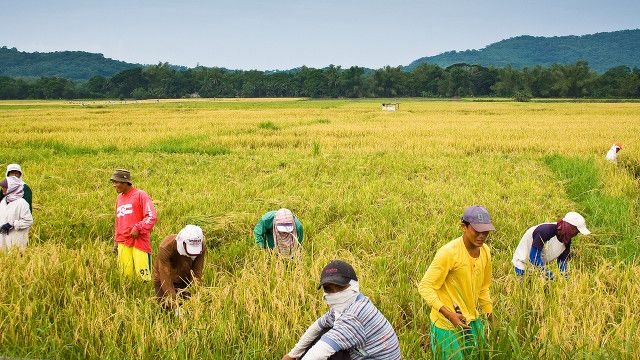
135 217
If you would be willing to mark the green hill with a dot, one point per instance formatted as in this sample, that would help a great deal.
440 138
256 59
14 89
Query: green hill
602 51
73 65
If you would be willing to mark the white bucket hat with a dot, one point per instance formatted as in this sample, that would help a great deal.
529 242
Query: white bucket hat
578 221
13 167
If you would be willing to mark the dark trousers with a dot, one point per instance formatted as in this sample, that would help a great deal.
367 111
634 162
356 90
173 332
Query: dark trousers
340 355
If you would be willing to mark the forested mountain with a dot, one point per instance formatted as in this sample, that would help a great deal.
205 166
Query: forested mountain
605 65
602 51
73 65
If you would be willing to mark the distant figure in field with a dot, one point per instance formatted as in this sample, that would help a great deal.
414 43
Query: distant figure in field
15 215
612 154
456 282
353 328
16 170
135 218
179 262
280 230
546 242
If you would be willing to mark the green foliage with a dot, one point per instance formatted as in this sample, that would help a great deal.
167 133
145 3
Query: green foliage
521 96
459 80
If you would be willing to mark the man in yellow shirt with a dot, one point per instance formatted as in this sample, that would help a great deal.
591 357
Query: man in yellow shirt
456 283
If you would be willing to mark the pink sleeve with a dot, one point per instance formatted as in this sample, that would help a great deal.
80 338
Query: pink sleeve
149 214
115 223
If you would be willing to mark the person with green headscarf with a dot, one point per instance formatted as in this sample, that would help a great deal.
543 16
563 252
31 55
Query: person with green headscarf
279 230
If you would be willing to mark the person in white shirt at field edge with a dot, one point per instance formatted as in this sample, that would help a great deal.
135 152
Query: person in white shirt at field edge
612 154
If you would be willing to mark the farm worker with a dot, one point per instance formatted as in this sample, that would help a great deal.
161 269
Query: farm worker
280 230
353 328
612 154
456 282
546 242
15 216
179 262
135 217
16 170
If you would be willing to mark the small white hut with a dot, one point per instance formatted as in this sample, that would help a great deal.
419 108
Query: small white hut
390 106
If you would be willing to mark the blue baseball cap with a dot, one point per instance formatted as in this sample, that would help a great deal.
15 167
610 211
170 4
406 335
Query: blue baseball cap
478 217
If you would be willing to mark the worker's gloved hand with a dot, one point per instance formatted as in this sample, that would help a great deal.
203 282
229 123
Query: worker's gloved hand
6 228
548 274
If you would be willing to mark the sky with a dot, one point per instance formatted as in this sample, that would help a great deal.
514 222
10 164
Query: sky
270 35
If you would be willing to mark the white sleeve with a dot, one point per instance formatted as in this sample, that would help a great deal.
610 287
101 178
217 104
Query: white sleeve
320 351
25 220
305 340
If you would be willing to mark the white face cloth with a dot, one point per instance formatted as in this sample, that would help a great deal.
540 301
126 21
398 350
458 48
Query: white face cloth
341 300
15 188
182 251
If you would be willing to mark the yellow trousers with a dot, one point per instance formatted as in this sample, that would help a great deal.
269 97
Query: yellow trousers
134 261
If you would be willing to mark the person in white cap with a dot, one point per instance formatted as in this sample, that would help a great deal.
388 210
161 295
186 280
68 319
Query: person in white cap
15 217
179 262
16 170
612 154
544 243
280 230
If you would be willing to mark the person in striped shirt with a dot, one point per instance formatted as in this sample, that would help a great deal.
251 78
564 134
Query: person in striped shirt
353 328
456 282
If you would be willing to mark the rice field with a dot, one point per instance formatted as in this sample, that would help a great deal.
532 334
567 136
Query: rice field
380 190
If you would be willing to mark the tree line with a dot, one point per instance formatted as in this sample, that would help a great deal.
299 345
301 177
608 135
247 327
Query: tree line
426 80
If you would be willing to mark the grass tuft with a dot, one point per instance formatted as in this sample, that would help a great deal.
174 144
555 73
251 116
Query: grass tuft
268 125
186 145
